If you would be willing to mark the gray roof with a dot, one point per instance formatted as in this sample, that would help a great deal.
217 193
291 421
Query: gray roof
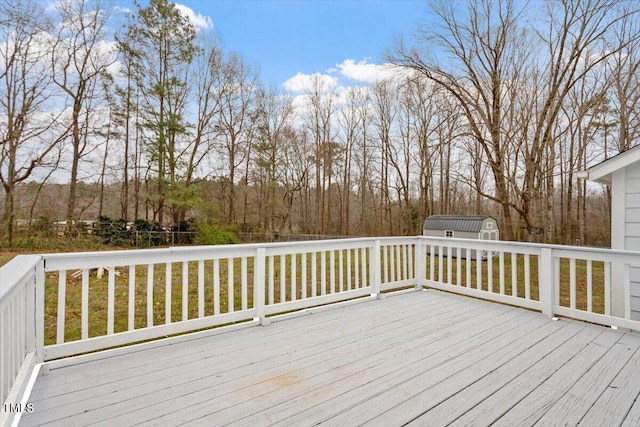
469 223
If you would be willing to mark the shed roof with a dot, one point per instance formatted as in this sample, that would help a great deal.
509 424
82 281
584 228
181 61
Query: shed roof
602 171
469 223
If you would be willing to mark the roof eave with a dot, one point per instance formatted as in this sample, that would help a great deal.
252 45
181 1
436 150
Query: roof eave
602 171
588 175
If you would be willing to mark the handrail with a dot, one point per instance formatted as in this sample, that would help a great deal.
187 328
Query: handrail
186 288
135 295
21 345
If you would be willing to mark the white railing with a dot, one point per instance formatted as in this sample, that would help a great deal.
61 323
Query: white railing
59 305
145 294
545 278
21 323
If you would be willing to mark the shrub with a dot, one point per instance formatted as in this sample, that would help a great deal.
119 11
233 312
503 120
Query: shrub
209 234
112 232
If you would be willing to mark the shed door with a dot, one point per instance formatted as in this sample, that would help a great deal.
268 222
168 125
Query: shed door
489 235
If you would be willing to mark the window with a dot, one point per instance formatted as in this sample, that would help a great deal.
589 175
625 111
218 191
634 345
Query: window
489 225
448 233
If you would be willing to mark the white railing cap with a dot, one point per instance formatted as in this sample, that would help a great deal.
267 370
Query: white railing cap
15 271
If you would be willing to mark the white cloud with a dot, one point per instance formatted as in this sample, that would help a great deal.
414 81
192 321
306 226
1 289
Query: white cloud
362 71
125 10
200 22
305 82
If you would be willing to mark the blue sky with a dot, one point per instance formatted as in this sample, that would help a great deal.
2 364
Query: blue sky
287 37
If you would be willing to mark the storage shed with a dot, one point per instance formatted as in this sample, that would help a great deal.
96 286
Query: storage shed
480 227
622 174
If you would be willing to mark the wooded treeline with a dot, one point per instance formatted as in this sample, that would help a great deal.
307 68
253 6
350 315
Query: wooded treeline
491 108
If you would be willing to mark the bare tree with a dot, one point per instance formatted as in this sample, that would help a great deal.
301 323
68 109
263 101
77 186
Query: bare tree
235 83
479 42
318 119
495 72
624 73
79 58
274 113
352 120
384 107
30 130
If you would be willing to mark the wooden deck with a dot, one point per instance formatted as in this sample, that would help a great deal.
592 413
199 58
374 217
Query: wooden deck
419 358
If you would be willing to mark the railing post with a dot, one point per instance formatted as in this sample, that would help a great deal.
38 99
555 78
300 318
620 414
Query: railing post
617 298
627 290
30 313
259 280
38 311
546 281
419 265
374 269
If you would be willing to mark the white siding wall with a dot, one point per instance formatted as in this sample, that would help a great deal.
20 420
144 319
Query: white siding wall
632 230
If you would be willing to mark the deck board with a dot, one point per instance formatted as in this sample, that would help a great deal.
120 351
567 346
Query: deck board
428 357
485 401
533 365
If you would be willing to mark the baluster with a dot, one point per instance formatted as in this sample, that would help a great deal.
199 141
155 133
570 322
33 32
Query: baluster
572 283
501 268
441 264
449 264
355 266
271 280
432 267
85 304
479 269
216 287
150 268
168 297
323 273
111 294
283 274
468 266
527 276
294 286
303 266
132 299
201 288
314 274
490 271
230 286
185 290
607 289
349 269
458 266
341 270
62 290
332 271
589 286
412 254
514 274
243 283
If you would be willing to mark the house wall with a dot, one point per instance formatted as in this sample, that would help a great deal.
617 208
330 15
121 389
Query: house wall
632 229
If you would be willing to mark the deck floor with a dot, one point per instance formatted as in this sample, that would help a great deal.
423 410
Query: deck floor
420 358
